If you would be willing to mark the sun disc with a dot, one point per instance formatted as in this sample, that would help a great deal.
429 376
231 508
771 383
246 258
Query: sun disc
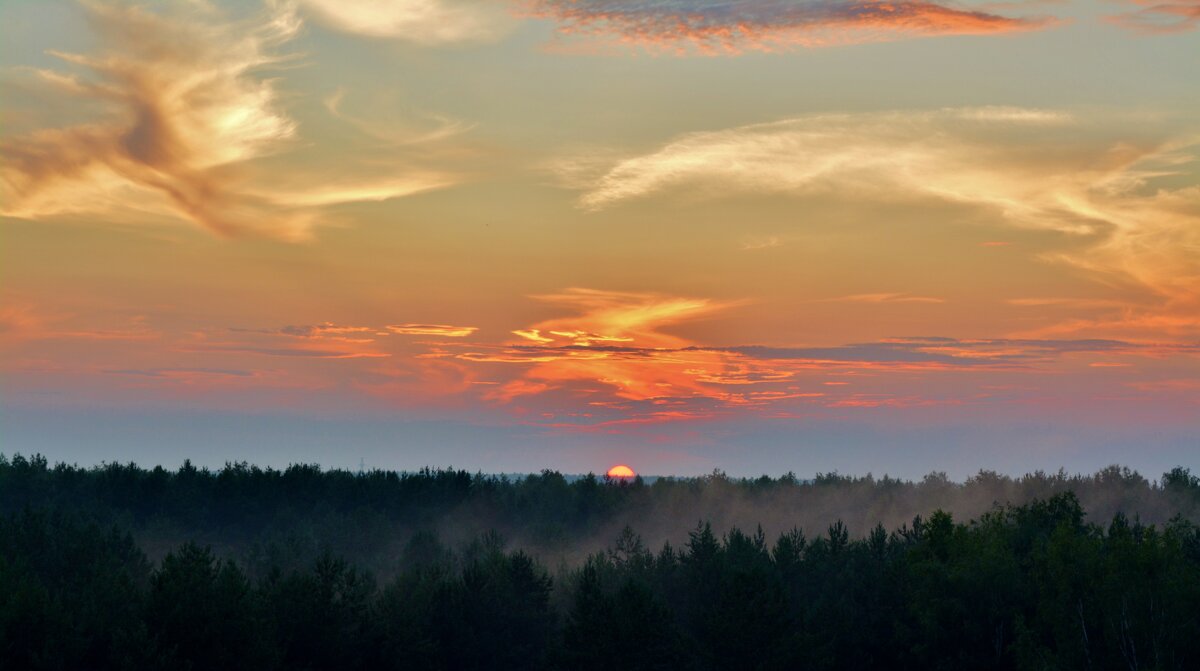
621 471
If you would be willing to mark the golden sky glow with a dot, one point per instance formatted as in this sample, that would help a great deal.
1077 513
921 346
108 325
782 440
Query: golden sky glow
512 235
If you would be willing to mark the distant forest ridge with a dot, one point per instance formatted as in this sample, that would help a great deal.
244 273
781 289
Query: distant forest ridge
250 512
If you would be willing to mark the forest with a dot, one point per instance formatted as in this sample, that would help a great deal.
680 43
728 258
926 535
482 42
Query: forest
120 567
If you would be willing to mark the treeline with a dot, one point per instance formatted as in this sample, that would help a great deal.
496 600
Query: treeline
1022 587
291 516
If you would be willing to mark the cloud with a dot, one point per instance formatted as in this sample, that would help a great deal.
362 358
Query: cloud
757 244
887 298
1157 17
720 26
918 153
1074 303
300 352
22 320
393 131
441 330
184 119
322 331
425 22
1129 196
183 374
1170 386
613 339
613 345
612 361
618 317
940 352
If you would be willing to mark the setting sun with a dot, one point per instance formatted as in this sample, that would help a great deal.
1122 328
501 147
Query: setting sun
621 471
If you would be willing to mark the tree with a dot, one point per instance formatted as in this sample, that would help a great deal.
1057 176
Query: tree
202 613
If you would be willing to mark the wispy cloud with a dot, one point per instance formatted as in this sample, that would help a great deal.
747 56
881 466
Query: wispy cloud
22 321
1160 17
919 153
1127 195
720 26
1074 303
324 331
183 374
612 354
425 22
886 297
618 317
756 244
607 339
188 117
299 352
441 330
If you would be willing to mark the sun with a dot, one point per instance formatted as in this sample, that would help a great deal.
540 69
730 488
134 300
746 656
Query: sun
621 471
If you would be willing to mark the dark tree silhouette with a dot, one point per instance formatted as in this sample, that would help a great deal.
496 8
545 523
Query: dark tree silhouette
1033 585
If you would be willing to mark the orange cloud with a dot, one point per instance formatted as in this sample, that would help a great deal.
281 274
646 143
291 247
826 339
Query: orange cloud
532 334
888 298
443 330
21 321
612 353
612 316
1168 386
715 26
611 343
324 331
300 352
613 347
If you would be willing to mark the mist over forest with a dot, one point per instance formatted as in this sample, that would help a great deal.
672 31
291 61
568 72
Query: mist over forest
261 516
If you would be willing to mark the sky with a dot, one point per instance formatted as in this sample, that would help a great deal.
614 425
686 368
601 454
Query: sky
751 235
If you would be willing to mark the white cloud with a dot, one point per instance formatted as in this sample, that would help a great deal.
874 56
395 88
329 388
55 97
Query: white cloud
427 22
1032 168
185 120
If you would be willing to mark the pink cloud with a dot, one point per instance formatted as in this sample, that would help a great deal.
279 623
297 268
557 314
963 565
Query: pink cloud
715 26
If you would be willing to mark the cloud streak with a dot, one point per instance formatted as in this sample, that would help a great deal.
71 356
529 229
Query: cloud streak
186 115
720 26
1133 198
613 361
1157 17
886 297
922 153
439 330
424 22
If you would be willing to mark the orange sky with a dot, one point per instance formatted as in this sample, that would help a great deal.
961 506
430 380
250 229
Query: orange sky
682 235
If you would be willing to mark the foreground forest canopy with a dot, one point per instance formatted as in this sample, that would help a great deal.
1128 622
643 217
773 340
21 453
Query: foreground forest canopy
122 567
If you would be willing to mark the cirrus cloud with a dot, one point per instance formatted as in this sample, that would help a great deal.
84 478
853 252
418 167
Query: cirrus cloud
425 22
440 330
1156 17
1129 195
182 120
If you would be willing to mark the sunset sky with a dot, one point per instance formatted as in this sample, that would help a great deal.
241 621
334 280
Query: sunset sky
754 235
